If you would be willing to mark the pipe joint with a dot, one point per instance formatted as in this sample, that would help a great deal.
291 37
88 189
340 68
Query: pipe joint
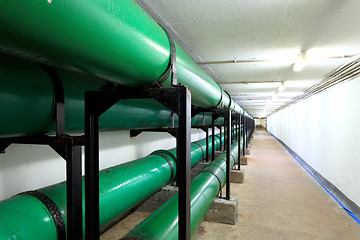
54 211
219 173
203 152
163 153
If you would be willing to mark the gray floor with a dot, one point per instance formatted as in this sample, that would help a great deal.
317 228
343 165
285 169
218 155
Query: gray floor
278 200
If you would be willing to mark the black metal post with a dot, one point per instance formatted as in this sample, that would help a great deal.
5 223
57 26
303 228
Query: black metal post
221 145
243 133
72 155
239 141
228 145
92 222
225 135
184 161
74 194
246 127
213 138
207 143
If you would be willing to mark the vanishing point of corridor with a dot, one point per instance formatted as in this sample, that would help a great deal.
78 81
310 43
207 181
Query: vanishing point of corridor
280 200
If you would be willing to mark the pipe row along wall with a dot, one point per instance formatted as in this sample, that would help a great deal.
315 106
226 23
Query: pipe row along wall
121 188
88 45
163 223
126 47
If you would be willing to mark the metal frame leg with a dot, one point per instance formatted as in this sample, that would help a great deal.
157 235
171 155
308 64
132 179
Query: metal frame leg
184 162
243 134
213 138
221 145
71 153
225 135
92 221
239 141
228 145
207 143
74 194
246 126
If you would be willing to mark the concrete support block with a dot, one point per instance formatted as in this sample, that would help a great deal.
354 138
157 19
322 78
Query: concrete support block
243 160
247 151
223 211
237 176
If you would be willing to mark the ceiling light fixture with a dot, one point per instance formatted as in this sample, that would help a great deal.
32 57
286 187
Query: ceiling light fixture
300 62
282 87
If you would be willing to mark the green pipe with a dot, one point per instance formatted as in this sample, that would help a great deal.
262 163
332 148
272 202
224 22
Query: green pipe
121 188
126 45
27 104
163 223
18 119
114 41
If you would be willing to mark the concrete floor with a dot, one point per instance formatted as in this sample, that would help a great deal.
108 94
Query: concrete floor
278 200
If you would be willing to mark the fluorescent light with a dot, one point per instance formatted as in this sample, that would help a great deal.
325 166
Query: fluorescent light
282 87
300 62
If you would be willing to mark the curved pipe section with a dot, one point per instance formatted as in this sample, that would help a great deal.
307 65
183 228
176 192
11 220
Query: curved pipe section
163 223
121 188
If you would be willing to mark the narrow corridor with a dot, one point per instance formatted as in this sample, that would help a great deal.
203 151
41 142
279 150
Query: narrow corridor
280 200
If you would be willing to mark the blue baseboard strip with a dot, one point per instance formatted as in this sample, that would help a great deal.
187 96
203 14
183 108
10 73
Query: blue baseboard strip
349 206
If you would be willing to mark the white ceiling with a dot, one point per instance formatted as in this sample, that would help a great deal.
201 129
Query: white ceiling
276 30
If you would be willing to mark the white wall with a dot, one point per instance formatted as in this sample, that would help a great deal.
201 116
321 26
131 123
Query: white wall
323 130
29 167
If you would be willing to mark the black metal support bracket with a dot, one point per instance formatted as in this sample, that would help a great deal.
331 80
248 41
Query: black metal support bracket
213 118
196 111
247 125
69 148
244 135
71 152
177 99
226 113
228 147
59 99
171 131
239 140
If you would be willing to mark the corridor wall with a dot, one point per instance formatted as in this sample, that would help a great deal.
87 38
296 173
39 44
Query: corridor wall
323 130
29 167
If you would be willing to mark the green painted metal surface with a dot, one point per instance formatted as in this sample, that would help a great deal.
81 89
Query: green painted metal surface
163 223
113 41
121 188
92 42
25 217
205 92
28 104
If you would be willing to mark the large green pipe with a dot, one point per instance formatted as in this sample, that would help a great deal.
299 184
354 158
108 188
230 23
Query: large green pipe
110 40
121 188
27 103
163 223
